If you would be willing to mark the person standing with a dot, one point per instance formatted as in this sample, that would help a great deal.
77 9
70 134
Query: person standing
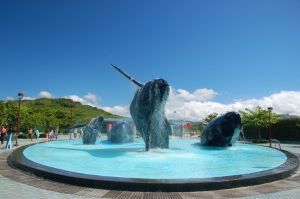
36 133
80 133
3 134
51 135
75 133
30 133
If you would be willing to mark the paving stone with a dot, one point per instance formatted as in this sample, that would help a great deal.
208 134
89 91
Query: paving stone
204 194
112 194
136 195
99 193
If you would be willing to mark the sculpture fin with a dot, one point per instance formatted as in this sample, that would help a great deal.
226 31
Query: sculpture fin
128 77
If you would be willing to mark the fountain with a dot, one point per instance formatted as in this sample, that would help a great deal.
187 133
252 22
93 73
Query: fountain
121 133
185 166
147 111
91 130
173 165
243 135
223 131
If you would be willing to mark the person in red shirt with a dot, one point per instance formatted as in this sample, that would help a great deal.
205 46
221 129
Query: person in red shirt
3 134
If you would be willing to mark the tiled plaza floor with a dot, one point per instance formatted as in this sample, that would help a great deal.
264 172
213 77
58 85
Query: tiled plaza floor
17 184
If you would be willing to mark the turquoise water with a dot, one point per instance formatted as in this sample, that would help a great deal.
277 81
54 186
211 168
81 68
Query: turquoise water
184 159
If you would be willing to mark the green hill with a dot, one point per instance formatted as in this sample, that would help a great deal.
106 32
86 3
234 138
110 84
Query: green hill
49 114
67 105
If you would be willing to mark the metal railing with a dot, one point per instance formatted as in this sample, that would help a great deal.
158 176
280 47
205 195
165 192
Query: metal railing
276 142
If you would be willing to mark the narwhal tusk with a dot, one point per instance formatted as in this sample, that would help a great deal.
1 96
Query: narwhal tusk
130 78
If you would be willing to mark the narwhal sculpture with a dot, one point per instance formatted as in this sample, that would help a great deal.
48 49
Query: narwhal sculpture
91 130
121 133
222 131
147 110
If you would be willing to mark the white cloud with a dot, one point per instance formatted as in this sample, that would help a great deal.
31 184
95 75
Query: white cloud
195 110
118 110
45 94
92 97
199 95
76 98
9 98
28 98
282 103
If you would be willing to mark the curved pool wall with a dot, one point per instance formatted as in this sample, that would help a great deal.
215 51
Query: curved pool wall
184 159
195 183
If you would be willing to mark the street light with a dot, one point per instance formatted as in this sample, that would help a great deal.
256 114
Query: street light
269 110
20 96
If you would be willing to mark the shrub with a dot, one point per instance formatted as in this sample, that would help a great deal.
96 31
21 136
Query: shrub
26 136
23 136
285 129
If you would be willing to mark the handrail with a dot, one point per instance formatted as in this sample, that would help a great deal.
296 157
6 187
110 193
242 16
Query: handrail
275 141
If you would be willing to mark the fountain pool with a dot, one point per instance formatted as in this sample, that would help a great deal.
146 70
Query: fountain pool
185 166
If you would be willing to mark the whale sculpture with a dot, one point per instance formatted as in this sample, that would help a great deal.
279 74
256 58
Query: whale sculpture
121 133
91 130
222 131
147 111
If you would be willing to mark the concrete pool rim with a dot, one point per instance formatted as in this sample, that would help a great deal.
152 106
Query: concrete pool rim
288 168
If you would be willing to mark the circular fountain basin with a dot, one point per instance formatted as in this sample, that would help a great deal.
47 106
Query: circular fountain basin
185 166
184 159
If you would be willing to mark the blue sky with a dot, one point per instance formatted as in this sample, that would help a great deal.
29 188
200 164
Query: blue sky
216 55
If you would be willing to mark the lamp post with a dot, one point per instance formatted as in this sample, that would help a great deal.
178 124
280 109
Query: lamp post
71 123
20 96
269 110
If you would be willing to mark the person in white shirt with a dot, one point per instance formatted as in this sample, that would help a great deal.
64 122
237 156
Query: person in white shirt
80 133
51 135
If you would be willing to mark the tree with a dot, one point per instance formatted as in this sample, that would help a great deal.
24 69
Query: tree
196 129
8 114
258 117
210 117
2 113
26 120
298 124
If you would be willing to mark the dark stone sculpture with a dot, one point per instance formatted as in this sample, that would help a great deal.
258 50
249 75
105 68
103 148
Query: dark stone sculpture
222 131
147 112
91 130
121 133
